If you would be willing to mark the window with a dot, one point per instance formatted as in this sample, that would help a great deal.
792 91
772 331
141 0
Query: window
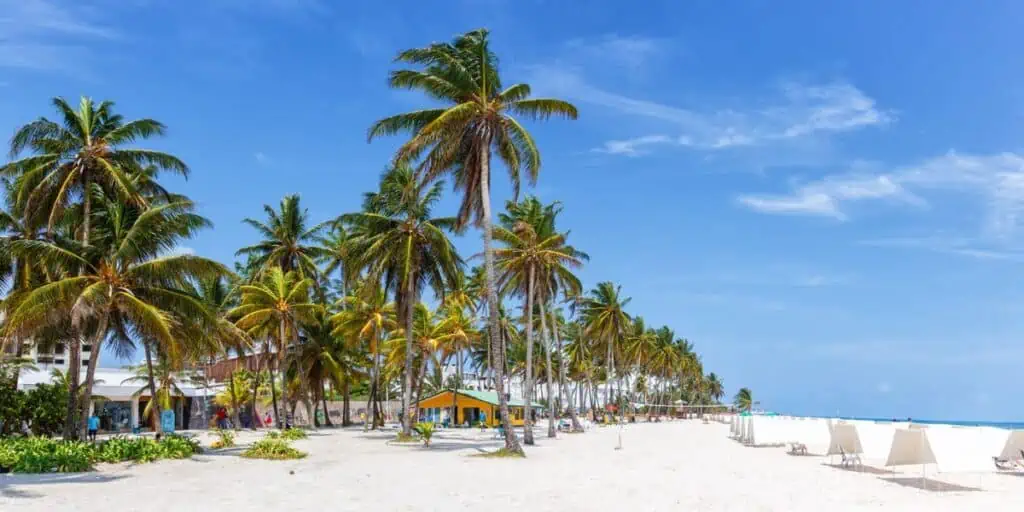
58 361
85 362
58 350
86 348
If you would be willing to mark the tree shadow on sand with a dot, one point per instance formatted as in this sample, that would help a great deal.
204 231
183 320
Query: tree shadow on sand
10 484
859 469
928 484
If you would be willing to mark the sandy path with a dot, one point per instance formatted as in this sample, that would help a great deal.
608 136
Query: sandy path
667 466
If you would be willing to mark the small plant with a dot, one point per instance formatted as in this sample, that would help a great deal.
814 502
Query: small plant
402 437
272 449
501 453
42 455
273 434
426 430
294 434
225 439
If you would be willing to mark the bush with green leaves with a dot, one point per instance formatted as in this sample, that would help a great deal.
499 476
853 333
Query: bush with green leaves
225 439
272 449
179 447
294 434
123 449
42 455
42 407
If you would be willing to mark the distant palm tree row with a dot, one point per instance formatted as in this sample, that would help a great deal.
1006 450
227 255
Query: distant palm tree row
345 307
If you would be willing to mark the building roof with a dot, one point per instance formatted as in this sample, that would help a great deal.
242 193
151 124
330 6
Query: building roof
113 383
490 397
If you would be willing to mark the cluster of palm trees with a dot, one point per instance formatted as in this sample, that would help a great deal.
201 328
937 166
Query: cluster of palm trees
360 302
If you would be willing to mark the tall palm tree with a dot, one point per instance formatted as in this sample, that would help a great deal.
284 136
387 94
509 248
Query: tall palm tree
123 285
289 242
744 399
534 258
277 306
715 387
402 245
460 137
607 322
84 147
367 317
338 256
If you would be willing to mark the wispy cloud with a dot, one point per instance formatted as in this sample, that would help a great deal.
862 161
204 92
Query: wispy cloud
998 180
632 51
47 35
795 111
261 158
959 246
902 352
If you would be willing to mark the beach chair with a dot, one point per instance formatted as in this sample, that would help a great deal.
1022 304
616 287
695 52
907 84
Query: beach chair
1005 464
797 448
850 459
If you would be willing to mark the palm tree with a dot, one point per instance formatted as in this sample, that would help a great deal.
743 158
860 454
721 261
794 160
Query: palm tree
400 244
120 285
289 243
338 256
534 259
607 323
166 380
367 317
86 147
459 138
276 307
714 387
223 337
744 399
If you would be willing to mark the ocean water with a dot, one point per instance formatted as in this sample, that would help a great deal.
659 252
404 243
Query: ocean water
1011 425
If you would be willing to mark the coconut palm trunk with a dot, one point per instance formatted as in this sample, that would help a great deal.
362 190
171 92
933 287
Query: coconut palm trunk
346 419
327 413
511 442
410 299
561 375
235 413
71 431
528 374
154 402
419 389
85 395
545 338
304 391
257 420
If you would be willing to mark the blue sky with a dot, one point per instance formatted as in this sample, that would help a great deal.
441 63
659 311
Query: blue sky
824 199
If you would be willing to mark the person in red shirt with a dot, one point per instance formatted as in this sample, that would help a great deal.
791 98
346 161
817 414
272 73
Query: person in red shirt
222 418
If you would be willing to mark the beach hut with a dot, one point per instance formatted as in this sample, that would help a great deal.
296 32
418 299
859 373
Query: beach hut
471 406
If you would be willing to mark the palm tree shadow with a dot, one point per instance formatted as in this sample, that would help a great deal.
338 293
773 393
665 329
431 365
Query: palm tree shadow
10 484
927 484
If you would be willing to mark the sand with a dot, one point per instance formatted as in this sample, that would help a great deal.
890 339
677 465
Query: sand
682 465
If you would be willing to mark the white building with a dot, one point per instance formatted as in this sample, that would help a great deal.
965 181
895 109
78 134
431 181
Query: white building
119 399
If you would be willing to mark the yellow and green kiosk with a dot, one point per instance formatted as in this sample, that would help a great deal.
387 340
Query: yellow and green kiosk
471 407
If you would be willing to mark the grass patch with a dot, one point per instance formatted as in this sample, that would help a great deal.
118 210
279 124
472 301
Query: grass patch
294 434
402 437
272 449
501 453
225 439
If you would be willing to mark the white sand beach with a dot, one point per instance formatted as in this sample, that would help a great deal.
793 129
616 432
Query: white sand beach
679 465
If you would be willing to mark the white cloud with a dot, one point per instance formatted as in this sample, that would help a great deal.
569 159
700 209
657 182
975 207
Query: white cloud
998 180
798 111
951 353
182 250
825 196
631 52
261 158
960 246
632 147
46 35
883 387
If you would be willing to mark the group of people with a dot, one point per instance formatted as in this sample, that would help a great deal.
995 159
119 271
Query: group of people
224 422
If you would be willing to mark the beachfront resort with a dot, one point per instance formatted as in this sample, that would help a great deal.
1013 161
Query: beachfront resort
434 338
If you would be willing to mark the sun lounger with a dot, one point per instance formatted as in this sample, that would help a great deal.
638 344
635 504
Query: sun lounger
797 449
850 459
1005 464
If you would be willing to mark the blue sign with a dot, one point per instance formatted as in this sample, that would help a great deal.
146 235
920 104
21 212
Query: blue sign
167 421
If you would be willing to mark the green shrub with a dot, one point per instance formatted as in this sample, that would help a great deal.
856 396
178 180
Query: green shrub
426 430
294 434
179 447
41 455
225 439
272 449
273 434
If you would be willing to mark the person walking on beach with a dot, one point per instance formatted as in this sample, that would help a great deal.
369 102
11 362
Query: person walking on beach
94 426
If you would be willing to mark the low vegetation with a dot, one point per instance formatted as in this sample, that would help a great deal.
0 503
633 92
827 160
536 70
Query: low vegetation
294 434
272 449
42 455
225 439
426 431
501 453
